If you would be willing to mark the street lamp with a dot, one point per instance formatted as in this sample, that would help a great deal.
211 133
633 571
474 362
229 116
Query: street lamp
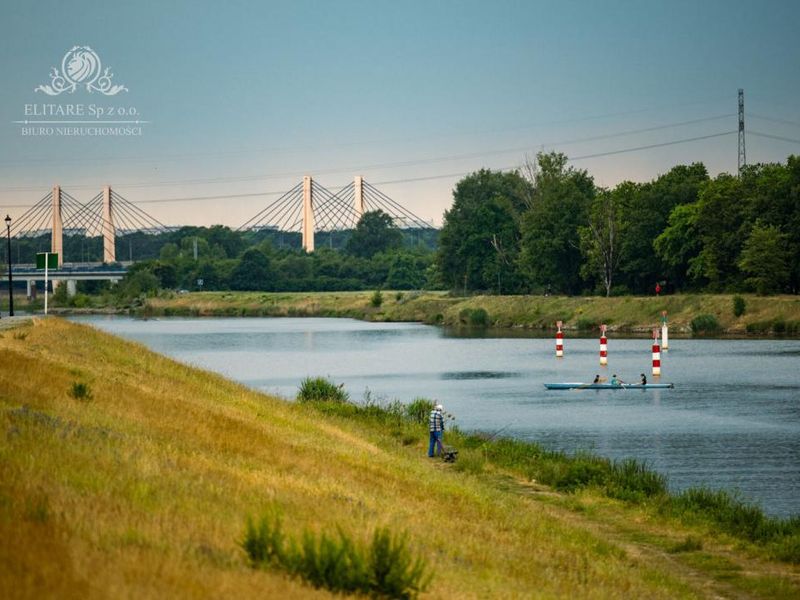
10 280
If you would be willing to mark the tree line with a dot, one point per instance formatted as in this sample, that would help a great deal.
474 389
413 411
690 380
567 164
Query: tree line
376 254
551 229
546 228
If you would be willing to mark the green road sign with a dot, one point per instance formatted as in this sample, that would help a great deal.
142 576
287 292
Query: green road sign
52 260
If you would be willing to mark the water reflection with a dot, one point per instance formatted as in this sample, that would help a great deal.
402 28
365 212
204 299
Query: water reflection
459 375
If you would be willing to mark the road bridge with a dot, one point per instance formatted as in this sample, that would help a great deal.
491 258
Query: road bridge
70 274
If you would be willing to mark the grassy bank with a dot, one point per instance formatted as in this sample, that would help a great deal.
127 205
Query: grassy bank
123 473
705 314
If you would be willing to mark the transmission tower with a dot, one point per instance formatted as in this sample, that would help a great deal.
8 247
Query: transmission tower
742 159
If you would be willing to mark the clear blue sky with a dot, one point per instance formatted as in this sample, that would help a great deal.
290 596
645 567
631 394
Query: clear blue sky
251 95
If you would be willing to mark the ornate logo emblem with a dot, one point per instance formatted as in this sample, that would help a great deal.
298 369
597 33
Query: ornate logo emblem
81 67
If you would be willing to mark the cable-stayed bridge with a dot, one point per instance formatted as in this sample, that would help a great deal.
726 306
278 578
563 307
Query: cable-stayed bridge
309 207
105 221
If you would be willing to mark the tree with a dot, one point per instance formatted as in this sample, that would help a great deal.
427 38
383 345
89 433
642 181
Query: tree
550 250
601 239
167 274
719 223
230 242
679 244
406 272
648 208
375 232
765 258
479 240
252 272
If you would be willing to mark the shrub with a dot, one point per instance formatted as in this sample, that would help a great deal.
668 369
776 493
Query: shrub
759 327
474 317
479 318
585 324
787 549
739 306
393 570
631 480
419 410
376 299
80 301
385 568
264 541
319 389
330 562
703 324
80 391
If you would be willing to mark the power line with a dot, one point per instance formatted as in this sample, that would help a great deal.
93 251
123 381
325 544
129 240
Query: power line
774 120
189 156
774 137
462 173
396 164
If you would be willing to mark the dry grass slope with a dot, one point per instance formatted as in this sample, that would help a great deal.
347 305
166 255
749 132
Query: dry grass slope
143 489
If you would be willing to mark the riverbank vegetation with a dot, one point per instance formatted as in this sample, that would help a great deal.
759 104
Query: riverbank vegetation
695 314
143 484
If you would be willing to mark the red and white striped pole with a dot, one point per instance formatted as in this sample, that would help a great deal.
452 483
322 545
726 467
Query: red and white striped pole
559 341
603 346
656 355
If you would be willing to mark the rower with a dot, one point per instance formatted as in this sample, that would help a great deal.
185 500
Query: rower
615 380
644 379
596 379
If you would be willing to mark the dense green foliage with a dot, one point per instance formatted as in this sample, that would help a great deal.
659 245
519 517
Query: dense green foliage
558 232
385 568
479 245
313 389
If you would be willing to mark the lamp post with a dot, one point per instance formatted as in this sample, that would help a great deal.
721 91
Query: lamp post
10 280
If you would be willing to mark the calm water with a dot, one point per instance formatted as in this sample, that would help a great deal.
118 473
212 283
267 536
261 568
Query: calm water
732 421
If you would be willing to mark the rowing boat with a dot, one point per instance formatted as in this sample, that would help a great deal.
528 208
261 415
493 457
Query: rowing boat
608 386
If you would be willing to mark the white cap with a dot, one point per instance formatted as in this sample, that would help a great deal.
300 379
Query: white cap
439 407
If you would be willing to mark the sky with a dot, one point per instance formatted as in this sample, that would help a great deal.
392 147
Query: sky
241 99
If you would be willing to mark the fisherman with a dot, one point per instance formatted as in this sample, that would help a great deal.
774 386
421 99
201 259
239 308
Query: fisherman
644 379
436 427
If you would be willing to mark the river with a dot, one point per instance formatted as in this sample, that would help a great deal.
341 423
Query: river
732 421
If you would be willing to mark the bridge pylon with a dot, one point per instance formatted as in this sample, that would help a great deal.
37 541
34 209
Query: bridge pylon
308 215
109 231
358 196
57 231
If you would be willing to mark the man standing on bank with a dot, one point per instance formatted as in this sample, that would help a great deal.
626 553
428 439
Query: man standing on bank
436 427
